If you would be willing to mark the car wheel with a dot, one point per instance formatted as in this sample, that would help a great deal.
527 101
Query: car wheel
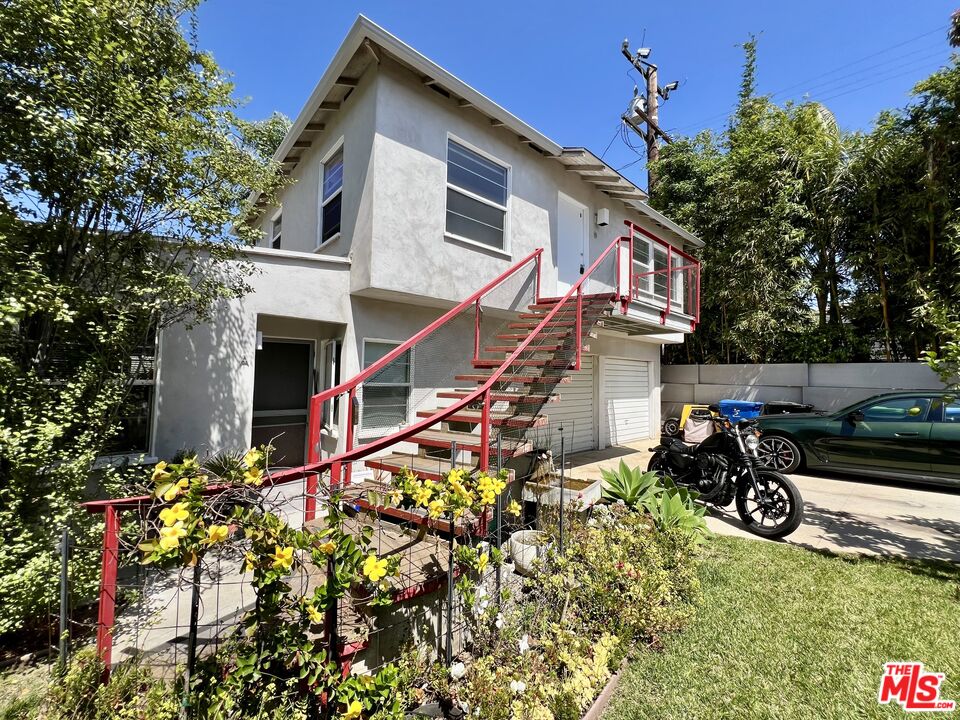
671 427
780 453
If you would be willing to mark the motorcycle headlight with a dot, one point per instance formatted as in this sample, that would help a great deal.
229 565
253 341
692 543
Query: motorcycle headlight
752 442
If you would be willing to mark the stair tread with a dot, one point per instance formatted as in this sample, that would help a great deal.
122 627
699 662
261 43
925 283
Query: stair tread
532 379
533 325
501 396
424 466
496 418
524 336
466 441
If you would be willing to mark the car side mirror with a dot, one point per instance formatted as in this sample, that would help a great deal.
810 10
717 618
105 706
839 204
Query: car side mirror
713 408
855 417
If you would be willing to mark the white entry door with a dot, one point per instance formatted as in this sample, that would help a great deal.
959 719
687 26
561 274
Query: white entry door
571 242
625 416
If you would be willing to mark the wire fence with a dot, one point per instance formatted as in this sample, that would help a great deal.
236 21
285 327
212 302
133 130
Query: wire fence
170 619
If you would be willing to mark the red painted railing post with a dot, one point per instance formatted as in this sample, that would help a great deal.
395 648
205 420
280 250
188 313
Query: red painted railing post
578 338
485 433
108 588
538 294
669 274
335 477
476 331
351 400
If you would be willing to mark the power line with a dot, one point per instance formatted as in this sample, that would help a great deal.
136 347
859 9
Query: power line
845 66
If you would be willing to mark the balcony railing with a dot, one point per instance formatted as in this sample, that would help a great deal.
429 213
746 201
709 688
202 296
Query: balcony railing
664 277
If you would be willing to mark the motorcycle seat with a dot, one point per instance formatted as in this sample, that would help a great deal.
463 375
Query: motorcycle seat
676 444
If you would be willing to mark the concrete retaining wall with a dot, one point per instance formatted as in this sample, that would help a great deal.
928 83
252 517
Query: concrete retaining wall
828 386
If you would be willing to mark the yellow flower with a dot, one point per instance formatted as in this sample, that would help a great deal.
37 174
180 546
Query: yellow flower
282 557
455 475
217 533
354 709
436 508
488 497
160 472
499 485
314 614
513 508
251 562
421 496
170 536
373 568
482 561
328 548
253 476
170 491
174 514
396 497
458 513
252 457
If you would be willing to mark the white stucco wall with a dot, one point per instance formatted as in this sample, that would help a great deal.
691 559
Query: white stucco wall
410 252
352 125
204 395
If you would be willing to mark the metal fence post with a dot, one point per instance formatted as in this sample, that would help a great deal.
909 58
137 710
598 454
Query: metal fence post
453 535
563 457
191 639
498 518
64 597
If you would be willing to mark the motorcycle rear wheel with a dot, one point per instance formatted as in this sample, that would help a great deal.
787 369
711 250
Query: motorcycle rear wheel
783 509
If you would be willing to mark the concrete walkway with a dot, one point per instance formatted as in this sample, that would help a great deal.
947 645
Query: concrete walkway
842 513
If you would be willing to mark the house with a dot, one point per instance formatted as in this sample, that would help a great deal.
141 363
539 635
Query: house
411 191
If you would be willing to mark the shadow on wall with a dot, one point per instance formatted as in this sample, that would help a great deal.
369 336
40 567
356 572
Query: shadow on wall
205 389
827 386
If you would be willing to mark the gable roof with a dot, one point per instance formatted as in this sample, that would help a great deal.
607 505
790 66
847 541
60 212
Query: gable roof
366 42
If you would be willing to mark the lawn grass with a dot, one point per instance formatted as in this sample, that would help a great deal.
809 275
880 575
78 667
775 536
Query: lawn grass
790 633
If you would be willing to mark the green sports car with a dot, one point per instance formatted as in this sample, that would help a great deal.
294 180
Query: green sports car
907 435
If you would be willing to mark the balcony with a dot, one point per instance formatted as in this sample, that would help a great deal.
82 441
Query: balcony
663 281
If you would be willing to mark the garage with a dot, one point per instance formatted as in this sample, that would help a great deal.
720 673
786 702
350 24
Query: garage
626 401
576 411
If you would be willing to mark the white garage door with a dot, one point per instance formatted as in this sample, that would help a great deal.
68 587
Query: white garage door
575 411
626 398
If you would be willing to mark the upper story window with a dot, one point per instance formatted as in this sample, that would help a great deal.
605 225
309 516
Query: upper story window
331 194
275 231
477 192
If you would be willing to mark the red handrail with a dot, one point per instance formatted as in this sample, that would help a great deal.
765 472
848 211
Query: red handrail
400 349
349 456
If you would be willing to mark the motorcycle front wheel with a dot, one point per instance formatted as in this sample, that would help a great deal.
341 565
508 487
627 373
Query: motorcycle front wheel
777 512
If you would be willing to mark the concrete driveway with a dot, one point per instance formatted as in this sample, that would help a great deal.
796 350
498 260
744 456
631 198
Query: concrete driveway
842 513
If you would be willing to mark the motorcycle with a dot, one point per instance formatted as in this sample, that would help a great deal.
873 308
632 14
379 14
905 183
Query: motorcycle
726 468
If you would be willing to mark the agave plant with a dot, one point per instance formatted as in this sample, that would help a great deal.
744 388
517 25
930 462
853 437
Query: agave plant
634 487
674 507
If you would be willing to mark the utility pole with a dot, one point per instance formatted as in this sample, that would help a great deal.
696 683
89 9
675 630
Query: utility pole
643 115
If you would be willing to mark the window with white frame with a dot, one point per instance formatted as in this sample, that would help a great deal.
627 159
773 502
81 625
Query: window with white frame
477 194
275 227
385 395
677 282
650 264
331 196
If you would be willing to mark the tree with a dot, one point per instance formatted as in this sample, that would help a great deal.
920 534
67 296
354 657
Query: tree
737 194
123 169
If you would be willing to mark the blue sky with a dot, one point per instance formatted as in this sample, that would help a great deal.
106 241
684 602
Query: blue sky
557 65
